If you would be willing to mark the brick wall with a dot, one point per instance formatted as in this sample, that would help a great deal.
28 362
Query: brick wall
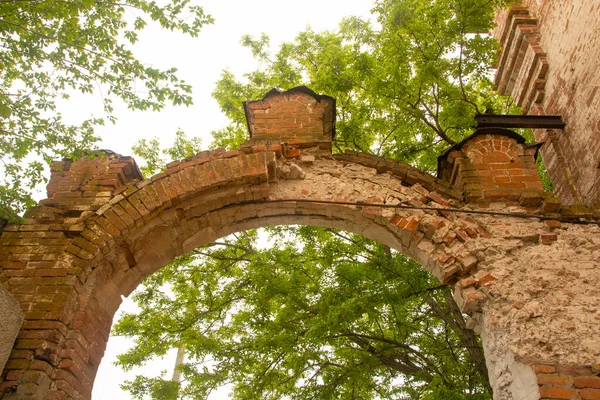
557 381
69 272
549 64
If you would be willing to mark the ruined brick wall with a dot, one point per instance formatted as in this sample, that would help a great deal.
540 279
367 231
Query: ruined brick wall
528 283
549 64
43 266
503 268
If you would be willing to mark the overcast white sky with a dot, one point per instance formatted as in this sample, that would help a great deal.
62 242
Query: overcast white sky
200 62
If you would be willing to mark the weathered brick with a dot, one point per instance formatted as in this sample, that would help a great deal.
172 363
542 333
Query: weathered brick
547 238
553 224
554 380
17 363
556 393
130 209
590 394
14 375
444 258
437 198
574 370
412 224
85 245
587 382
136 201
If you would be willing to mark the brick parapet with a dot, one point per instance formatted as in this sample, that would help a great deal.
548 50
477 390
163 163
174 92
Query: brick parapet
291 123
98 172
494 165
298 112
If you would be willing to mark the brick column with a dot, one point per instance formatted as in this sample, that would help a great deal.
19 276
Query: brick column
549 66
44 263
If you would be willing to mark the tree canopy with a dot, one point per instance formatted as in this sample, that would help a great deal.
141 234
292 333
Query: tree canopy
320 314
407 86
50 49
324 314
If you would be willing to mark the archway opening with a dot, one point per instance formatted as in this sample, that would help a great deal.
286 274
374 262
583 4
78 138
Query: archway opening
302 311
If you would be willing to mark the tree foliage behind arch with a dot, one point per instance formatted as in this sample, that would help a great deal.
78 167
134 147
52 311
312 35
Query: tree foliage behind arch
320 314
50 49
407 86
324 314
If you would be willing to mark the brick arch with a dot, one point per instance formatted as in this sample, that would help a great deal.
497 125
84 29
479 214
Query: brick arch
103 229
105 254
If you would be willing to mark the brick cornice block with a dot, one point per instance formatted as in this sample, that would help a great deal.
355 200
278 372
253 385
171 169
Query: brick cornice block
491 165
291 120
523 65
85 184
101 171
